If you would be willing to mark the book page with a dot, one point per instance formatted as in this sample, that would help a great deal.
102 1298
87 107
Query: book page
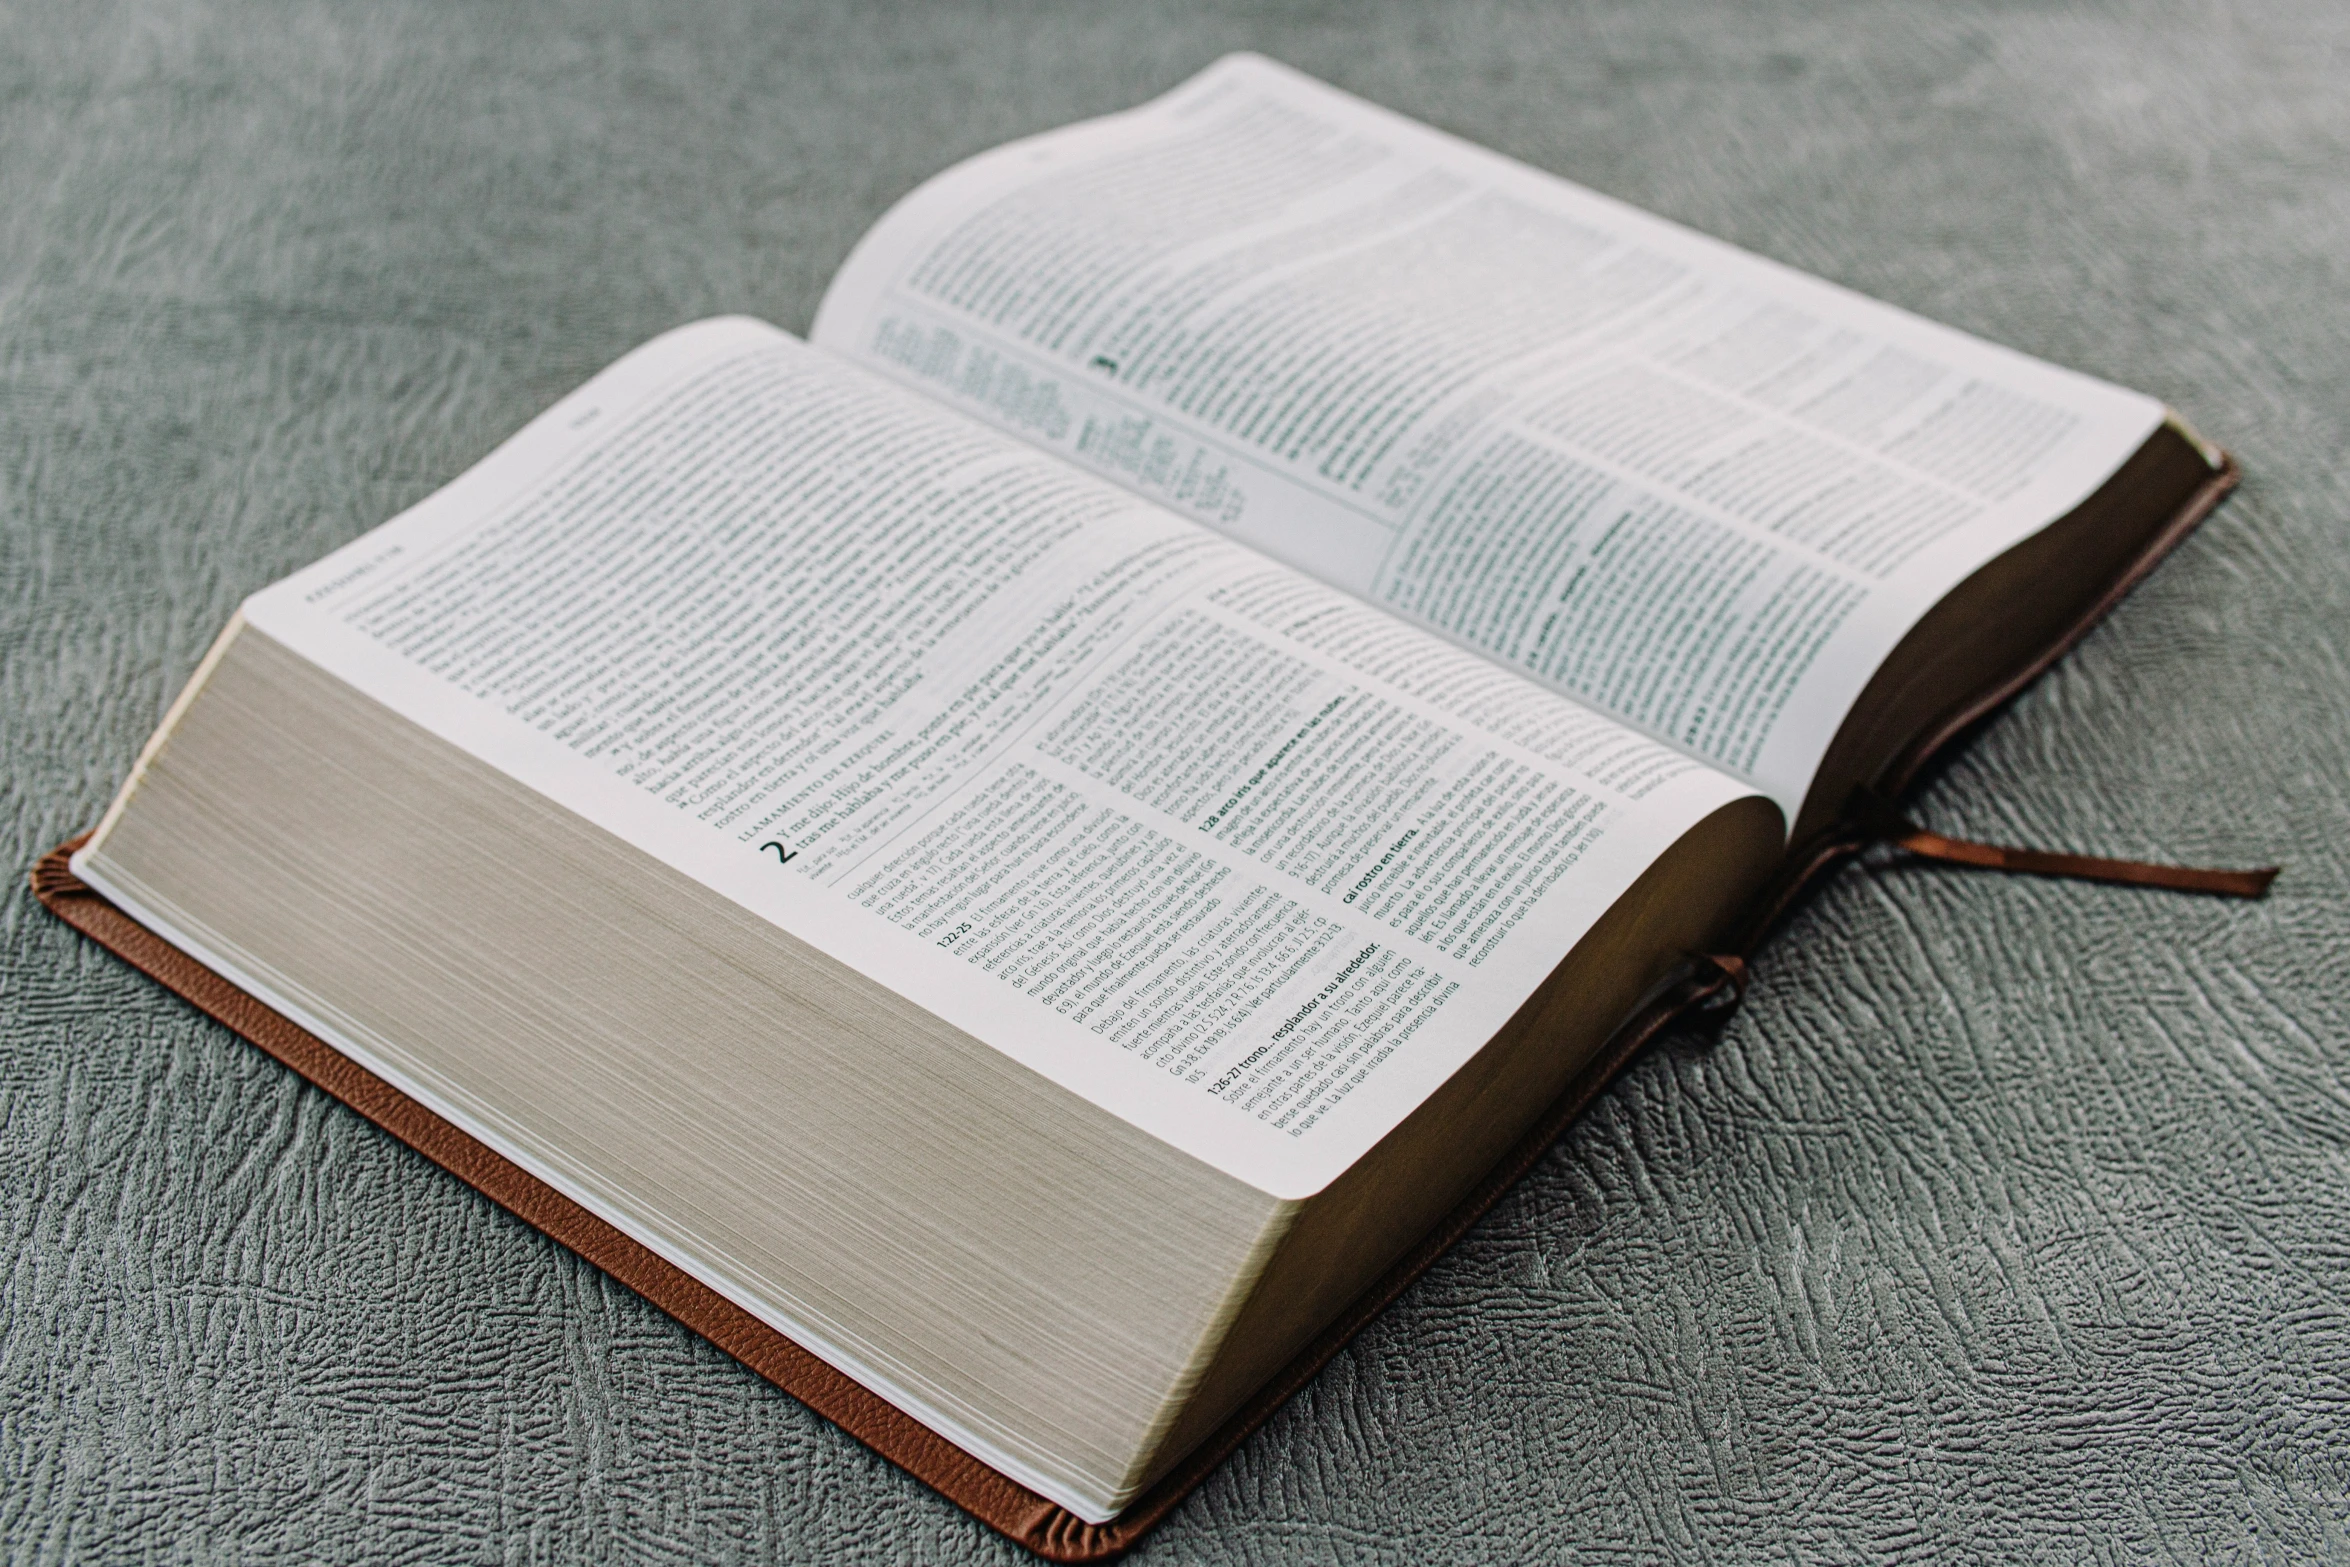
1695 489
1202 840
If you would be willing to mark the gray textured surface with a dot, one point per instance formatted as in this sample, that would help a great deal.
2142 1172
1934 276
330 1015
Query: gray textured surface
2012 1219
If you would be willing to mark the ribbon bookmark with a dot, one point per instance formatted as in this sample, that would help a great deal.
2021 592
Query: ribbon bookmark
1716 985
1887 826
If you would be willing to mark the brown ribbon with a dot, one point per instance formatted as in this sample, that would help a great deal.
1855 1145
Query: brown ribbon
1886 825
1716 985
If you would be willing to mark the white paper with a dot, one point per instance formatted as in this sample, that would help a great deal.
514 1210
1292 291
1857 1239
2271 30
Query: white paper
1688 486
1197 838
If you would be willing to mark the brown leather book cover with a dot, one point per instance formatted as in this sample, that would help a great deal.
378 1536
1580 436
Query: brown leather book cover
1042 1526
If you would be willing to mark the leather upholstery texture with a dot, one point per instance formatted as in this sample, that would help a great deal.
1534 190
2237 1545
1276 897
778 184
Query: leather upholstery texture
2006 1221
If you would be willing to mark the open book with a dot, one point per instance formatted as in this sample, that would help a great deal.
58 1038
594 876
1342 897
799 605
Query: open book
1036 844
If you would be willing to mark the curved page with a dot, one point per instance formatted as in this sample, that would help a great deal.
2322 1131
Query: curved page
1203 841
1690 487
